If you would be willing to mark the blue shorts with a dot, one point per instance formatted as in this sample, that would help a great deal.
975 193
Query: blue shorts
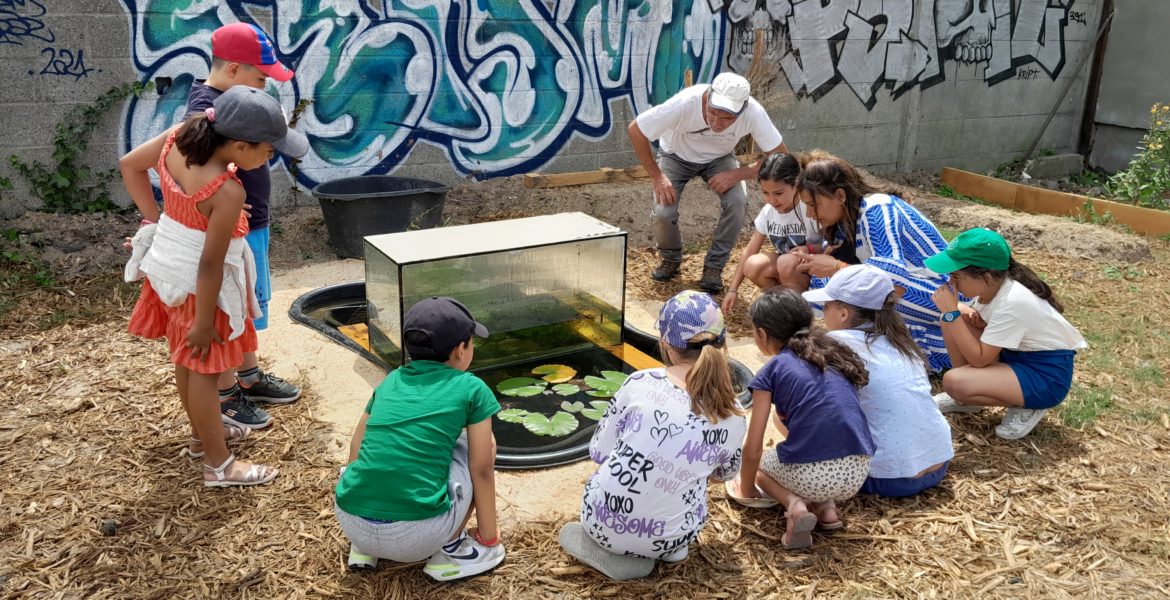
902 487
258 242
1044 375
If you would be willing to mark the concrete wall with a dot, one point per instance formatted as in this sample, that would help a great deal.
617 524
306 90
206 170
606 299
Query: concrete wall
1135 75
461 89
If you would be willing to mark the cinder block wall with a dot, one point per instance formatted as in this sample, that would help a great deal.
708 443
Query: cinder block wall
479 89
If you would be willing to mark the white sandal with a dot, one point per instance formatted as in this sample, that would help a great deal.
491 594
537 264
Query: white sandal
231 433
256 475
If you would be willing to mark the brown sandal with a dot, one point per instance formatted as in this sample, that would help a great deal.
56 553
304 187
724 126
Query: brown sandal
823 525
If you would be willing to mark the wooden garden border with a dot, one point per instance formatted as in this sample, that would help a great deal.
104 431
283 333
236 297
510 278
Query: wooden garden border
1036 200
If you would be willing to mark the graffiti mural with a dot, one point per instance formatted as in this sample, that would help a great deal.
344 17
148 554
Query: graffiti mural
20 20
499 85
868 44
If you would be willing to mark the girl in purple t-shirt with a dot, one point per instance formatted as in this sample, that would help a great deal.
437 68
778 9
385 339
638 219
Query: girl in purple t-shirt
812 382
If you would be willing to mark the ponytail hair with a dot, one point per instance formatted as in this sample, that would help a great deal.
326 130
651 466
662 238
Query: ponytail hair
885 322
709 378
784 316
197 140
1022 275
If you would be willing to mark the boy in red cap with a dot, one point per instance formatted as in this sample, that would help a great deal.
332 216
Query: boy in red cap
243 55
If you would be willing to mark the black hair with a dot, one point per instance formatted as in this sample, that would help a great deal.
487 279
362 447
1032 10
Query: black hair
887 322
421 342
784 316
780 166
1025 276
197 140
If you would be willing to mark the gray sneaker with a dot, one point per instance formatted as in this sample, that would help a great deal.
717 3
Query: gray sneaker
1018 422
946 404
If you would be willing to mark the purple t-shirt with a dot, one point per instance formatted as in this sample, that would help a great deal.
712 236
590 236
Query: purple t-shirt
257 182
819 408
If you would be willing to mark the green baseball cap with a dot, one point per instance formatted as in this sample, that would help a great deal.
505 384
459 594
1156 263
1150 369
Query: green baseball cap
977 247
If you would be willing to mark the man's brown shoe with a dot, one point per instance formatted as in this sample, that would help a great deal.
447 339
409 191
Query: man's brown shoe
666 270
712 281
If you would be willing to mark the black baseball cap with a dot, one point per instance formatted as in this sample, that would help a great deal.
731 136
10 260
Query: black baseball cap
445 321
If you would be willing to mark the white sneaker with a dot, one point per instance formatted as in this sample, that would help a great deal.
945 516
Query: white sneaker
946 404
470 558
360 562
678 555
1018 422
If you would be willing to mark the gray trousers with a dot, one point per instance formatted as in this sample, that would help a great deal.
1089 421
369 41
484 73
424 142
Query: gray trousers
733 205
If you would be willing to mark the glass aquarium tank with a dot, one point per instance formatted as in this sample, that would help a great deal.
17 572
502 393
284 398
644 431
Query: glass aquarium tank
543 286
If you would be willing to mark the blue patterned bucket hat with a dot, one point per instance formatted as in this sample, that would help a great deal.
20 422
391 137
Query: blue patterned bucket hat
688 314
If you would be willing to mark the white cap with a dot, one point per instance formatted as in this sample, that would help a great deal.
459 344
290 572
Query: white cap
859 285
729 92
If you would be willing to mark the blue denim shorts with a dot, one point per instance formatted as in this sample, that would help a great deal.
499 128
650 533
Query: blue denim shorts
902 487
1044 375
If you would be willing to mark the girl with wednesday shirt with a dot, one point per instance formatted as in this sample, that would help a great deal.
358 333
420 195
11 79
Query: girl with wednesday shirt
667 432
784 221
913 439
1011 347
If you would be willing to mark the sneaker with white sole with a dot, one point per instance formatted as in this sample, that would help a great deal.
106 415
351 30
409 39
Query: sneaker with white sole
678 555
360 562
946 404
470 558
1018 422
240 411
270 389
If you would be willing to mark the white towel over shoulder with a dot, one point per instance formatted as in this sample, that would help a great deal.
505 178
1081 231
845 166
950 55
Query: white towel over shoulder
168 253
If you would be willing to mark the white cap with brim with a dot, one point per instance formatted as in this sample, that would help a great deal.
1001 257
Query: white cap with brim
860 285
729 92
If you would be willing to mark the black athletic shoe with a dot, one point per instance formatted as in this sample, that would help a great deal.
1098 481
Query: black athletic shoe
271 389
238 410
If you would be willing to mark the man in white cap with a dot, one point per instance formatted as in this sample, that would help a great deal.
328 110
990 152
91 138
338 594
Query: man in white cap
697 131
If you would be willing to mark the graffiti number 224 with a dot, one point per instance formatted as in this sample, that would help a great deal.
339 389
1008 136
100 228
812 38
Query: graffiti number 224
65 63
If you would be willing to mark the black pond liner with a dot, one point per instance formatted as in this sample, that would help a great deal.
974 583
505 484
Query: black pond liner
346 303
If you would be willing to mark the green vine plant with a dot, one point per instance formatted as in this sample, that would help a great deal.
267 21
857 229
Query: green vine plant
1146 181
67 185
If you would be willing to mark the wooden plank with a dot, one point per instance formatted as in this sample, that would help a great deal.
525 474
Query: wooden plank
603 175
1036 200
634 357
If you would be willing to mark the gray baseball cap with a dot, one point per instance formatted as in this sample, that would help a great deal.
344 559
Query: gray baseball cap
251 115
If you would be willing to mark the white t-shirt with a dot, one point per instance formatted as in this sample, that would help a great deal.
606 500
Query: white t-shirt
788 230
1017 319
649 494
909 431
679 127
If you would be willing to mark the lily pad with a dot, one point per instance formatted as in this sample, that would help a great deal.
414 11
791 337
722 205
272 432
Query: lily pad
615 376
572 406
596 411
555 373
512 415
602 385
565 389
528 390
517 382
600 393
562 423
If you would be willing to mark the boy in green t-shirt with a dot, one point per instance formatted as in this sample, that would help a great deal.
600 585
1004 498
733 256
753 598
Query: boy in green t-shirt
415 475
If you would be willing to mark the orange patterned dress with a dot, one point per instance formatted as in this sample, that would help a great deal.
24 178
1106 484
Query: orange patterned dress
152 318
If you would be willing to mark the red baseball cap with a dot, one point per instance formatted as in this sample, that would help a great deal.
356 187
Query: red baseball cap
247 44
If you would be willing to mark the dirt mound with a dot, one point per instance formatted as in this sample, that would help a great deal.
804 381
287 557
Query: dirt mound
72 245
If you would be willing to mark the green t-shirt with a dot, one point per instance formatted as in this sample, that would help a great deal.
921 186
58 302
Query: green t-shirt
416 416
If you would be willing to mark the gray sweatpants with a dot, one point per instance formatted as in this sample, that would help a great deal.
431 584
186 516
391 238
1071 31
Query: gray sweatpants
411 541
733 205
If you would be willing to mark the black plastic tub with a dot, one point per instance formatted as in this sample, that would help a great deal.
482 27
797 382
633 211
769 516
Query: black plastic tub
647 342
355 207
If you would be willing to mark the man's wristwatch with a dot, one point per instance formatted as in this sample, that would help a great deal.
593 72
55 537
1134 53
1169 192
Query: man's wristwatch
951 316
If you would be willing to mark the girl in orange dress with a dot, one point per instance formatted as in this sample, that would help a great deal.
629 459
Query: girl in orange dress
198 291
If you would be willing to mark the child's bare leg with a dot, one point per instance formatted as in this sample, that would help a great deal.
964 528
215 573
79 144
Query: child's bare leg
826 512
993 385
203 410
788 273
795 509
225 380
760 269
948 334
182 381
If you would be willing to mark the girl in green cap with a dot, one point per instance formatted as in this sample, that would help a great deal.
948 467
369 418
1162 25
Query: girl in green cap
1011 346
